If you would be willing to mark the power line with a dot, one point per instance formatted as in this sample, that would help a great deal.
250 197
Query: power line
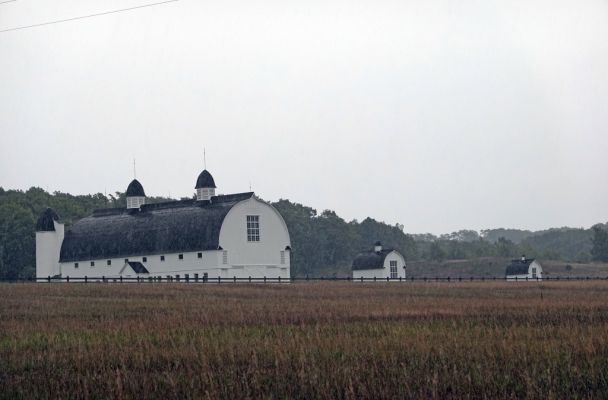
86 16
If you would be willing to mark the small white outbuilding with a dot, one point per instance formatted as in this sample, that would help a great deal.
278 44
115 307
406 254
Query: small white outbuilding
524 269
379 263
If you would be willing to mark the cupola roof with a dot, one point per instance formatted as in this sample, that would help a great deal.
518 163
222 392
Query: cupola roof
46 221
135 189
205 180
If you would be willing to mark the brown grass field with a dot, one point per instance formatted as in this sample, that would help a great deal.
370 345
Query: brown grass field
304 341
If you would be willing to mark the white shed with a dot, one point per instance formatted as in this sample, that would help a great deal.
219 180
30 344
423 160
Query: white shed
379 263
524 268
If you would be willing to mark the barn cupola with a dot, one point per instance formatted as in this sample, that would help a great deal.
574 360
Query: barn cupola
377 247
135 195
205 186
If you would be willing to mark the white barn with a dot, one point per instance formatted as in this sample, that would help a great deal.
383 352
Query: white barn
379 263
236 235
524 268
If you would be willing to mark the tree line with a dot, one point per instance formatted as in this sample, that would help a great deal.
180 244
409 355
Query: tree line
323 243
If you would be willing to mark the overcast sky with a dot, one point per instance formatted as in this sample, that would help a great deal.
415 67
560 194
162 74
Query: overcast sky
440 115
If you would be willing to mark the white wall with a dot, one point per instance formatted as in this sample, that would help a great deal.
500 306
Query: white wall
48 246
261 258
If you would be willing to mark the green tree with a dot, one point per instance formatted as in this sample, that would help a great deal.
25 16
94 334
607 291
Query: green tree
599 251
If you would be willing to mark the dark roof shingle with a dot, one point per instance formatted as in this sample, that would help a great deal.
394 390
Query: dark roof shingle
171 227
519 266
370 259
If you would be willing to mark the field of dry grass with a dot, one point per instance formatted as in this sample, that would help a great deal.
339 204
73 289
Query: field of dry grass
321 340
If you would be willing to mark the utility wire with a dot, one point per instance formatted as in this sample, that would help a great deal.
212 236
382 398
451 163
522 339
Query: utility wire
86 16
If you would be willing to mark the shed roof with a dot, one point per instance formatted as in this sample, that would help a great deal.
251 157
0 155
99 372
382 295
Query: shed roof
172 227
519 266
370 259
138 267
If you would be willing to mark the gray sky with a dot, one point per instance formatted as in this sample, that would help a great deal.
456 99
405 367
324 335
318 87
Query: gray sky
440 115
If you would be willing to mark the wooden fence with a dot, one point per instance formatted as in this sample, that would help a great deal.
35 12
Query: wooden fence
220 280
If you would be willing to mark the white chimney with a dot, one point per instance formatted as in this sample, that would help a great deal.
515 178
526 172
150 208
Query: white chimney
378 247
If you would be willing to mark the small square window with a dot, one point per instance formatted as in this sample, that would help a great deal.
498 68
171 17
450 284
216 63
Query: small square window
126 260
181 256
92 263
200 255
75 265
224 257
144 259
162 258
109 262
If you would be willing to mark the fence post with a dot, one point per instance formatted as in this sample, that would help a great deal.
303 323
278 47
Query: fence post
249 278
85 279
219 279
49 279
400 279
361 279
234 279
279 279
67 278
264 279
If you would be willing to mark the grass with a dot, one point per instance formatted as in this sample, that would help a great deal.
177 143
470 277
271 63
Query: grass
322 340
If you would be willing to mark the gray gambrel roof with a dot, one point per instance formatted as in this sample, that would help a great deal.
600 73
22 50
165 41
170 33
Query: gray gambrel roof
519 267
370 259
172 227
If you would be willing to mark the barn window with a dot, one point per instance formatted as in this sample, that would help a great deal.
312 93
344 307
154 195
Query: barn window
282 257
92 263
75 265
144 259
200 255
253 228
393 265
126 260
181 256
162 258
109 262
224 257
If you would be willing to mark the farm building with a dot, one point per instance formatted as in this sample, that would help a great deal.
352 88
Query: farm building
379 263
235 235
524 268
